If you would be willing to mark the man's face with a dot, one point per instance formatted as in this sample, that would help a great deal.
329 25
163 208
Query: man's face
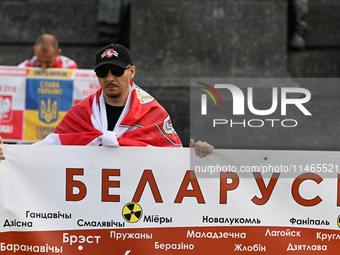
116 88
46 59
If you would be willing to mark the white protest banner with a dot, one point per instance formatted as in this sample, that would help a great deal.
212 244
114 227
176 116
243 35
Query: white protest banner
126 200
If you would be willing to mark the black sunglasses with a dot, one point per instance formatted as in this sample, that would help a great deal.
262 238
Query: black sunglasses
101 72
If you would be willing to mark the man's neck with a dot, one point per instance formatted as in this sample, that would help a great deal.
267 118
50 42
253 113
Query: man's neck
116 101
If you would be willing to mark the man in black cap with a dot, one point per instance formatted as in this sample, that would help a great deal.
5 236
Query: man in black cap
120 113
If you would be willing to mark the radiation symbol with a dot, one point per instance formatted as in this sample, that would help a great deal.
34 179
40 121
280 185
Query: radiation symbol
132 212
339 221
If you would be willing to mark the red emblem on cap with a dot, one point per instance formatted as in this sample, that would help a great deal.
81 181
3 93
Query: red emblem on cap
109 53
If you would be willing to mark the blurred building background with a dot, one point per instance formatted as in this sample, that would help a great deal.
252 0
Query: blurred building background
173 41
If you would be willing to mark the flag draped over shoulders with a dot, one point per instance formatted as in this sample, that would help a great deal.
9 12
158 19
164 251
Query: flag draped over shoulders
143 122
60 62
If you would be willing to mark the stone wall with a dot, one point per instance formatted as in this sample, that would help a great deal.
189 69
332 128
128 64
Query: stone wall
73 22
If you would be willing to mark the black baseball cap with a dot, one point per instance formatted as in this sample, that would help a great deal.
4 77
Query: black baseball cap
114 54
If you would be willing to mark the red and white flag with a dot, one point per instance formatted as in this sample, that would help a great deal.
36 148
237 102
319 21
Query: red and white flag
143 122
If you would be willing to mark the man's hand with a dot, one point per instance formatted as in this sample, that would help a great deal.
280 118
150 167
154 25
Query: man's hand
1 152
202 149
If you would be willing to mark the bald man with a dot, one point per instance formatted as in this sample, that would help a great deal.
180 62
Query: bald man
47 55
